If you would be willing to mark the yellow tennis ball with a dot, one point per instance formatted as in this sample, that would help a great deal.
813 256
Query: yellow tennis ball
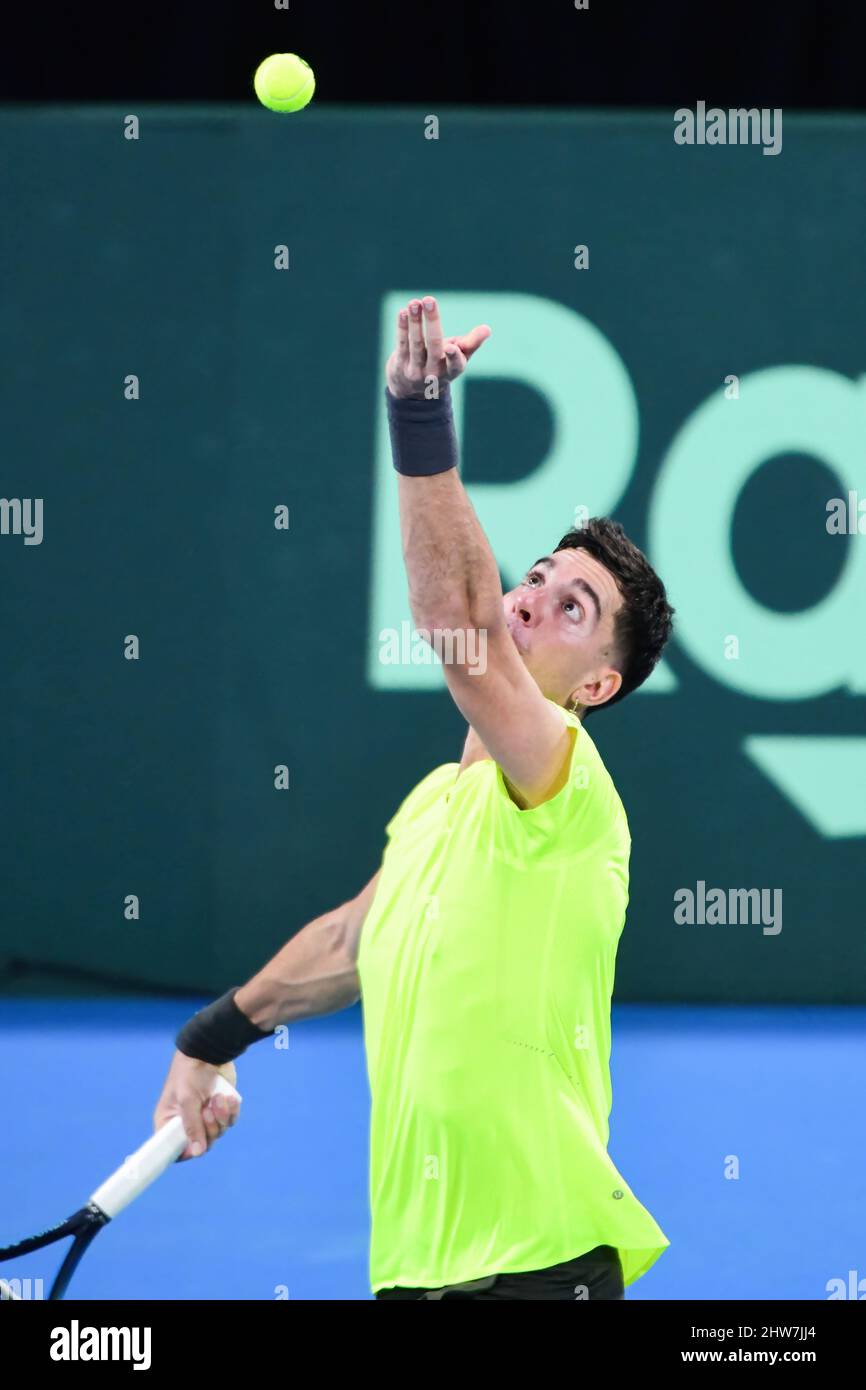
284 82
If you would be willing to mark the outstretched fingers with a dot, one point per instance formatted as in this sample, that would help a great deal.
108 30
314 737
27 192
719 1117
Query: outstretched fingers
422 351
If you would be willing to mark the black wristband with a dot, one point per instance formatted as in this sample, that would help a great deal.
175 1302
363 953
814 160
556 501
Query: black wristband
219 1033
423 441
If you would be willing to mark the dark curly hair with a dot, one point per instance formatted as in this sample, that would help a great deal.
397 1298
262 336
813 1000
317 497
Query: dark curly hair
645 618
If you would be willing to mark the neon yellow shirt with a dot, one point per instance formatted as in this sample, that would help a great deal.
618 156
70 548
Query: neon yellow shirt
486 964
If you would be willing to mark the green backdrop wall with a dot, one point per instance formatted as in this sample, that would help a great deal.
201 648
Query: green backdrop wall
609 388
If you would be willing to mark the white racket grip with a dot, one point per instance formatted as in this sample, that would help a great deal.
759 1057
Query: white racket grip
143 1167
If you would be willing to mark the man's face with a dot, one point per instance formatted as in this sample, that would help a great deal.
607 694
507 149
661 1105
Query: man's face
561 618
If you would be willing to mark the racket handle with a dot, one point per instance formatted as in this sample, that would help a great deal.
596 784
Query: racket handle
144 1166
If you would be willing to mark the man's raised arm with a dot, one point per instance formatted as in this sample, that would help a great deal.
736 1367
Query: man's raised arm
453 577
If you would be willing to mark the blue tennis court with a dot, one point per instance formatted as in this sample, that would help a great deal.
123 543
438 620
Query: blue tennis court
278 1209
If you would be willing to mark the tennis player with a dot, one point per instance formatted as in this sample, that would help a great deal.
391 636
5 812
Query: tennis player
483 949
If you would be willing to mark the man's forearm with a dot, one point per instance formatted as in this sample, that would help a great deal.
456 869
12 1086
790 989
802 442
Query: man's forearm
313 974
453 577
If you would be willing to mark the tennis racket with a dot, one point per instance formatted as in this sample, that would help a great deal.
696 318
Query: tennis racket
136 1173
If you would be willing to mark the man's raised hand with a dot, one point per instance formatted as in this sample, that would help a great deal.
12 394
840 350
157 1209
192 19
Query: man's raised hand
422 352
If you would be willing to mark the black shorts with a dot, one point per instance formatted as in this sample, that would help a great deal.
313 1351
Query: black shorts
597 1274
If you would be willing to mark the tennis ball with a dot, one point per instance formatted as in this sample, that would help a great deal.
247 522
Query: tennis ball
284 82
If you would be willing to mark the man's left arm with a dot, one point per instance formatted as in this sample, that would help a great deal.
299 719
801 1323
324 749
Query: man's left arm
453 578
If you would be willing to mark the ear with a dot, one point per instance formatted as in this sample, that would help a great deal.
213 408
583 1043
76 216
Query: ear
598 691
